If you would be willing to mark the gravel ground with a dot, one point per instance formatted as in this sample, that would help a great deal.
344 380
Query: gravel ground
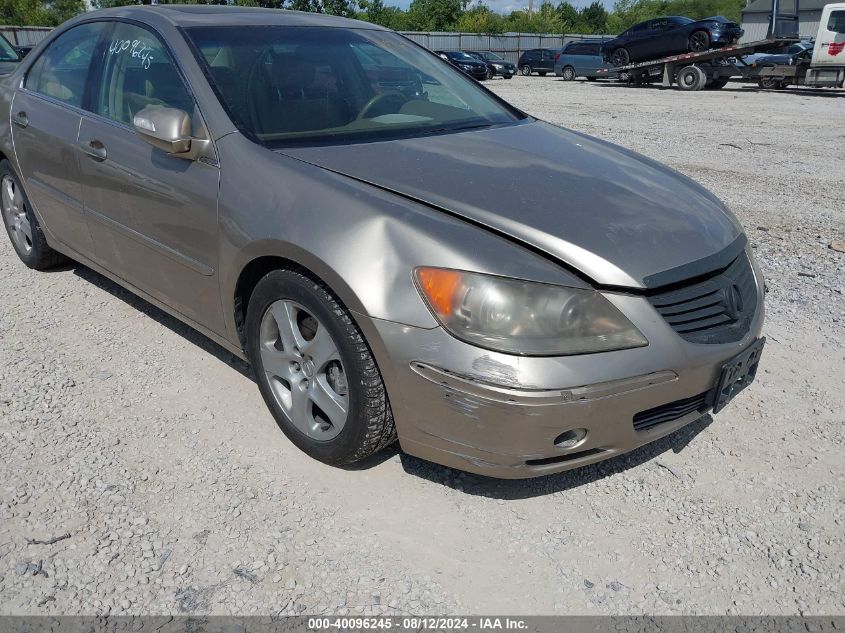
150 447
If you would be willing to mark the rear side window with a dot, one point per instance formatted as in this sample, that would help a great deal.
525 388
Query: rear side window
836 22
138 72
62 70
7 53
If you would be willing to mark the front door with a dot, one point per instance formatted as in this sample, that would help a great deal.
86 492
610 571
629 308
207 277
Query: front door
45 122
829 49
153 216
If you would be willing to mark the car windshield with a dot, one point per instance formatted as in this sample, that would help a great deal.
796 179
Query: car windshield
460 55
7 53
492 57
286 85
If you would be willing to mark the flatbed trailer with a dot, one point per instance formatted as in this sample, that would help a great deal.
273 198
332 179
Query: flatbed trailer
697 71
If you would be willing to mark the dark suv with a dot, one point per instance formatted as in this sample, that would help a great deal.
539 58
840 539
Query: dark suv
537 60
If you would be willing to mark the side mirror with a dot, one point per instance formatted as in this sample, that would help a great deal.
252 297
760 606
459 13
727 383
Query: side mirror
168 129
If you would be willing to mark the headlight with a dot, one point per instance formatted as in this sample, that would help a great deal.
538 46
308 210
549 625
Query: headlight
525 317
717 25
498 66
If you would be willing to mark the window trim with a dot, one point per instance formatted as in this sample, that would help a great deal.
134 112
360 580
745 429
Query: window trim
96 71
91 67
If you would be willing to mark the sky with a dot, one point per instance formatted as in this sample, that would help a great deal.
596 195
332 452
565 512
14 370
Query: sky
506 6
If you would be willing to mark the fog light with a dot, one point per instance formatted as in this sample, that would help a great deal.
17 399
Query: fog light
571 438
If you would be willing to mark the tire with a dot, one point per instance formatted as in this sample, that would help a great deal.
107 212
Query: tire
699 41
508 76
716 84
691 78
490 74
568 73
620 57
22 225
770 83
283 369
525 70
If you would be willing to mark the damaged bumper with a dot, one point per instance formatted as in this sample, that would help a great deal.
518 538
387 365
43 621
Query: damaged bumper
515 417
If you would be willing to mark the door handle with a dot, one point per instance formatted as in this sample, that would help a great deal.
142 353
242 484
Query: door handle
20 119
95 149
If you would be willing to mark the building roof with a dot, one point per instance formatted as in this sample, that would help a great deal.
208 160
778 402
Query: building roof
786 6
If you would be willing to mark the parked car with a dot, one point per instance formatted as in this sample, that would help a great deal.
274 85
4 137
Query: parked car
581 59
441 268
537 60
496 65
466 63
670 36
782 57
9 56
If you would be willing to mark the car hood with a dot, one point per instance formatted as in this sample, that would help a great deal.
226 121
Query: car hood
618 217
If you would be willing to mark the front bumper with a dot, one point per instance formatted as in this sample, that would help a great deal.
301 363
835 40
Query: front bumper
726 37
501 415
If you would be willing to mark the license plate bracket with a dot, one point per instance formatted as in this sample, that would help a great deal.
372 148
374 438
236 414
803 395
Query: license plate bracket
737 374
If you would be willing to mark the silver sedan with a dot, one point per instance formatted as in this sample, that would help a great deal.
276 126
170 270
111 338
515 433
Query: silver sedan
399 253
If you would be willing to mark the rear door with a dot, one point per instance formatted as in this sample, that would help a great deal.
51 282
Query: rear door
46 114
829 49
153 216
547 60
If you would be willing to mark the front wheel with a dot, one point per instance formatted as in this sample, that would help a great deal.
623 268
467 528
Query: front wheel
315 370
22 225
699 42
568 73
620 57
770 83
525 70
490 74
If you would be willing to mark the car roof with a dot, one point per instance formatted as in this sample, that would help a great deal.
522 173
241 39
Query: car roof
189 15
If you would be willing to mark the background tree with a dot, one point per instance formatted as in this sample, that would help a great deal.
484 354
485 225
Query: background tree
434 15
39 12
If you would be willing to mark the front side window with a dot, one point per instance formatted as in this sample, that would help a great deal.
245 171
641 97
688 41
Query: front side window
286 84
138 72
7 52
62 70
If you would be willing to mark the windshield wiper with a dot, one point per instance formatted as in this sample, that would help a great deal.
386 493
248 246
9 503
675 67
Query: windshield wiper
459 128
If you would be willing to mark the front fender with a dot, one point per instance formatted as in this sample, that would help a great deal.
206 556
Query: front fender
363 242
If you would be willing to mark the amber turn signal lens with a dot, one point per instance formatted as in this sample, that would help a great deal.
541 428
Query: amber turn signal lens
439 287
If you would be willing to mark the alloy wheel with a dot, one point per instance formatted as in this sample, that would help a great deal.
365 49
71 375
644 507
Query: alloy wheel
303 367
15 216
568 73
619 57
699 42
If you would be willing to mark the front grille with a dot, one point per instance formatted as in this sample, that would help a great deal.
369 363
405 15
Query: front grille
645 420
717 309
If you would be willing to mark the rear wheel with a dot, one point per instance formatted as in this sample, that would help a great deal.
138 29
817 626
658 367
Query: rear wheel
568 73
525 70
620 57
21 224
699 42
315 371
691 78
716 84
